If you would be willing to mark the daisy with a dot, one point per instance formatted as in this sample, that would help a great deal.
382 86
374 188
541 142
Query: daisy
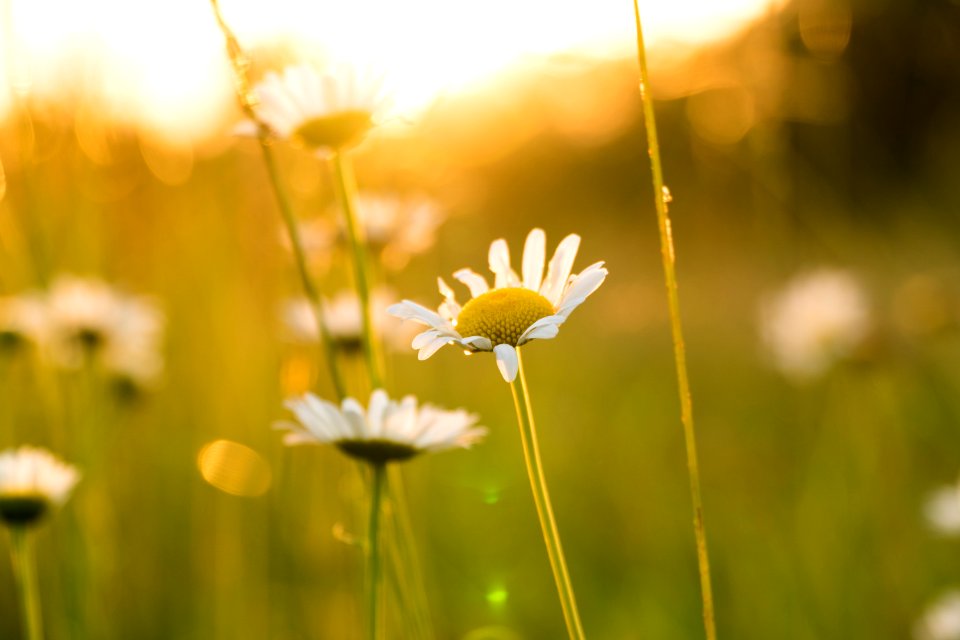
941 621
942 510
387 431
344 320
516 310
322 111
818 319
31 481
87 317
23 319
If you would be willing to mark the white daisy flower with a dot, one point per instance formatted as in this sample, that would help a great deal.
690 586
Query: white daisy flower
87 317
387 431
819 318
942 510
398 227
322 111
23 319
515 310
941 620
31 481
344 320
395 228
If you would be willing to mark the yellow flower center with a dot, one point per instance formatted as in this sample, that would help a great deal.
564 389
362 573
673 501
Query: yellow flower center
334 131
502 315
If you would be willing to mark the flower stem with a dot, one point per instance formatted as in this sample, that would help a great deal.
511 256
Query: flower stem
541 498
373 549
25 573
662 197
248 100
346 194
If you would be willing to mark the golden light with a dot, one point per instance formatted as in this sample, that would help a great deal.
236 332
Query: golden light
162 65
234 468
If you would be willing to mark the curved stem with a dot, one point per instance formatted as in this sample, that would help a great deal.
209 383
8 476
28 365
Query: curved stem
662 197
346 194
25 573
373 549
541 498
247 99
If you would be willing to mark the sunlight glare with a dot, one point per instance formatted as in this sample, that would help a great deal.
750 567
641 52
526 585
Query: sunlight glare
162 66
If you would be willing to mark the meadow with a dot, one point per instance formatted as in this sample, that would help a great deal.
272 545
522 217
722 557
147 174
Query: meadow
789 150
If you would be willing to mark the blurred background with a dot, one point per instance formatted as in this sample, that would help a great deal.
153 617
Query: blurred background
811 149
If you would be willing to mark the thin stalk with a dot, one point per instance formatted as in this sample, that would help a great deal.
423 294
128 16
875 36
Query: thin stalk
346 193
408 559
248 101
25 574
661 197
541 498
374 551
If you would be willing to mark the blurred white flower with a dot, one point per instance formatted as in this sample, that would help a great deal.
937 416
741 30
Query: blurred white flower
515 311
344 321
32 480
941 620
396 228
324 112
23 319
89 319
820 317
942 510
387 431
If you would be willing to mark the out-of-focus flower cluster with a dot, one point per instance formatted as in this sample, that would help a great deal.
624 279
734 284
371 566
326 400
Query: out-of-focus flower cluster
84 321
818 319
396 228
345 322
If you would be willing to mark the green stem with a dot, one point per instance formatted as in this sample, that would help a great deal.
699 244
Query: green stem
409 561
541 498
661 198
248 101
346 194
373 549
25 574
309 288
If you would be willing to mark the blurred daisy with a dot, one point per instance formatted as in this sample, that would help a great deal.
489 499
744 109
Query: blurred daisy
387 431
324 112
88 318
344 321
398 227
23 320
942 510
515 310
31 481
395 227
941 620
819 318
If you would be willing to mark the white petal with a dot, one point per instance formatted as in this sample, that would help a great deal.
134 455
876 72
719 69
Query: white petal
507 361
409 310
423 339
499 262
534 256
478 342
542 329
433 347
377 413
445 290
582 285
474 281
559 269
